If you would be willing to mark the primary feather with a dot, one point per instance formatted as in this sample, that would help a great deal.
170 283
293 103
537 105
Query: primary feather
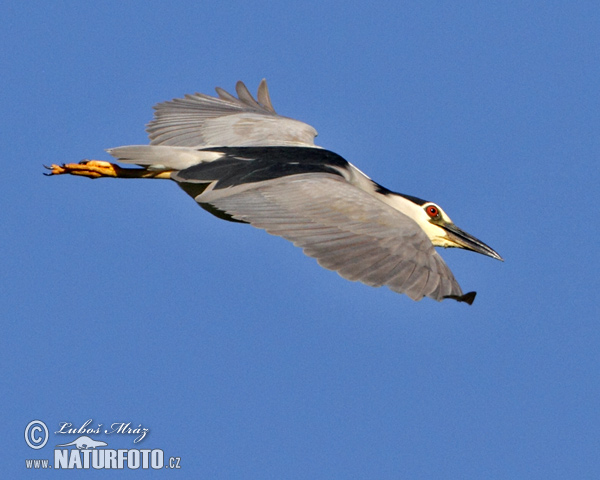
200 121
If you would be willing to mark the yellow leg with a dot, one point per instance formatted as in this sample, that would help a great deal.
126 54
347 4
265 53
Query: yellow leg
97 169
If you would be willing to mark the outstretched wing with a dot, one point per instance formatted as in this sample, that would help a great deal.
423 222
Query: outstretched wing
343 227
200 120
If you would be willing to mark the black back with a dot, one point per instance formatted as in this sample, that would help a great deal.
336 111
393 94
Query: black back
242 165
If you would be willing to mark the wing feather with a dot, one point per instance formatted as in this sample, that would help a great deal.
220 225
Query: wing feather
200 120
344 228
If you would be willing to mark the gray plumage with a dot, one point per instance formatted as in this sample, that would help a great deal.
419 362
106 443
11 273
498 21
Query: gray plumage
243 162
345 229
201 120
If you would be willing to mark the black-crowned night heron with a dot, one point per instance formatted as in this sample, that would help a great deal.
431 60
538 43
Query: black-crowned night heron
242 162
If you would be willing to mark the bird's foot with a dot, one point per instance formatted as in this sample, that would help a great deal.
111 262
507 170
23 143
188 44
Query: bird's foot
98 169
86 168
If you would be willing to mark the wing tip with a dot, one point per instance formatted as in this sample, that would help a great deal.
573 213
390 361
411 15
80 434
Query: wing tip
467 298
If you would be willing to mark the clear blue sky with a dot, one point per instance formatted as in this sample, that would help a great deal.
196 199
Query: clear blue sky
122 301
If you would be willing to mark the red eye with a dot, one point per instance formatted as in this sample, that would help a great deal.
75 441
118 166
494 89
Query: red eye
432 211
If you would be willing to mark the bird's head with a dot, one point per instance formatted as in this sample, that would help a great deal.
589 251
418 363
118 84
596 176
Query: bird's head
443 233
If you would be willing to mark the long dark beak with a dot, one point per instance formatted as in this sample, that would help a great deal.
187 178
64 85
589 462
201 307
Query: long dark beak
469 242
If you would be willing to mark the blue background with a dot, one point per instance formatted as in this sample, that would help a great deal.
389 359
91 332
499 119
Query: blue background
121 300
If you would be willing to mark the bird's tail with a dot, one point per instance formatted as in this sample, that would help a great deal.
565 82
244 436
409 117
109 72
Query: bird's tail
162 157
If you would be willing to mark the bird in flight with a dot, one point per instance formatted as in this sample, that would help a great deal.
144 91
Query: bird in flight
243 162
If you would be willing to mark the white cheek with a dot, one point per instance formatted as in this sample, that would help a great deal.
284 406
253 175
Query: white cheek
433 232
437 235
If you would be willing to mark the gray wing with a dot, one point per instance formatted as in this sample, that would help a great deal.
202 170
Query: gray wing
345 229
201 121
